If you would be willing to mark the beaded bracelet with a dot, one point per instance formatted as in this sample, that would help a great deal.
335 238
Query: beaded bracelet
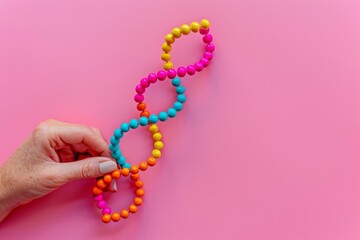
126 169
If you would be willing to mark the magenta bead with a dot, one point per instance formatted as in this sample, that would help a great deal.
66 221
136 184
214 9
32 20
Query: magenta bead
171 73
181 71
191 70
101 204
145 82
139 89
199 66
208 55
207 38
161 75
204 31
152 77
139 98
210 47
99 197
106 210
205 62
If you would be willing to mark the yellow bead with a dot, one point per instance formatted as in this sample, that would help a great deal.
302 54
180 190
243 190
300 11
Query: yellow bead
166 47
168 65
154 128
165 56
169 38
194 26
205 23
157 136
159 145
185 29
176 32
156 153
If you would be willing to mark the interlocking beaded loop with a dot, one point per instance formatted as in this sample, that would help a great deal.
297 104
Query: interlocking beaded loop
146 118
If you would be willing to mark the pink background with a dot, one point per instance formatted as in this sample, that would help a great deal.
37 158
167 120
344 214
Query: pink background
268 144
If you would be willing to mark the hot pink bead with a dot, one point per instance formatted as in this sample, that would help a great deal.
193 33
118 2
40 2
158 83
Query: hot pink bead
204 31
139 89
139 98
207 38
145 82
101 204
199 66
106 210
99 197
210 47
152 77
171 73
208 55
161 75
191 70
181 71
205 62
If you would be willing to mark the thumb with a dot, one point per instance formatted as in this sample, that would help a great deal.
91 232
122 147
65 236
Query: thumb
87 168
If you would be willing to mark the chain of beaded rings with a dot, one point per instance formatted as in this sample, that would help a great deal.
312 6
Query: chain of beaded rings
126 169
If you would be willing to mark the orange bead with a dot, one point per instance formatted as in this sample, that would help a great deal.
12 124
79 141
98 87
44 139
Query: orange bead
138 201
124 213
115 217
141 106
107 178
140 192
134 169
133 208
134 177
116 174
139 184
101 184
145 113
96 191
151 161
106 218
125 171
143 166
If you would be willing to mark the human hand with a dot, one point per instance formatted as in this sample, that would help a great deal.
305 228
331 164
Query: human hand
48 159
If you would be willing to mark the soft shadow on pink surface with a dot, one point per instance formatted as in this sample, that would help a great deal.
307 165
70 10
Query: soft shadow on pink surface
267 147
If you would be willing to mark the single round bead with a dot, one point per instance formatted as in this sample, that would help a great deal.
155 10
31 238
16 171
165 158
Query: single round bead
118 133
161 75
106 218
176 82
163 116
107 178
126 165
145 82
154 128
141 106
139 184
199 66
134 169
153 118
181 98
116 174
207 38
114 140
210 47
143 121
99 197
165 57
121 160
116 154
180 89
125 127
166 47
140 192
190 70
178 106
134 123
133 208
138 201
124 213
208 55
152 78
171 73
139 98
101 184
169 38
97 191
101 204
171 112
185 29
113 147
205 23
205 62
169 65
115 217
176 32
151 161
159 145
157 136
139 89
194 26
181 71
143 166
134 177
106 210
156 153
145 113
204 31
125 171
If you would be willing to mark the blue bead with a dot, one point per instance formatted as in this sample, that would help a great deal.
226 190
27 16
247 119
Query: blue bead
171 112
118 133
113 147
126 165
153 118
143 121
180 90
178 106
125 127
134 123
181 98
176 82
163 116
116 154
121 160
114 140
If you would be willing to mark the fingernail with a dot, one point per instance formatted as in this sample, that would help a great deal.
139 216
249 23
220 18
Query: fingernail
107 166
113 186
